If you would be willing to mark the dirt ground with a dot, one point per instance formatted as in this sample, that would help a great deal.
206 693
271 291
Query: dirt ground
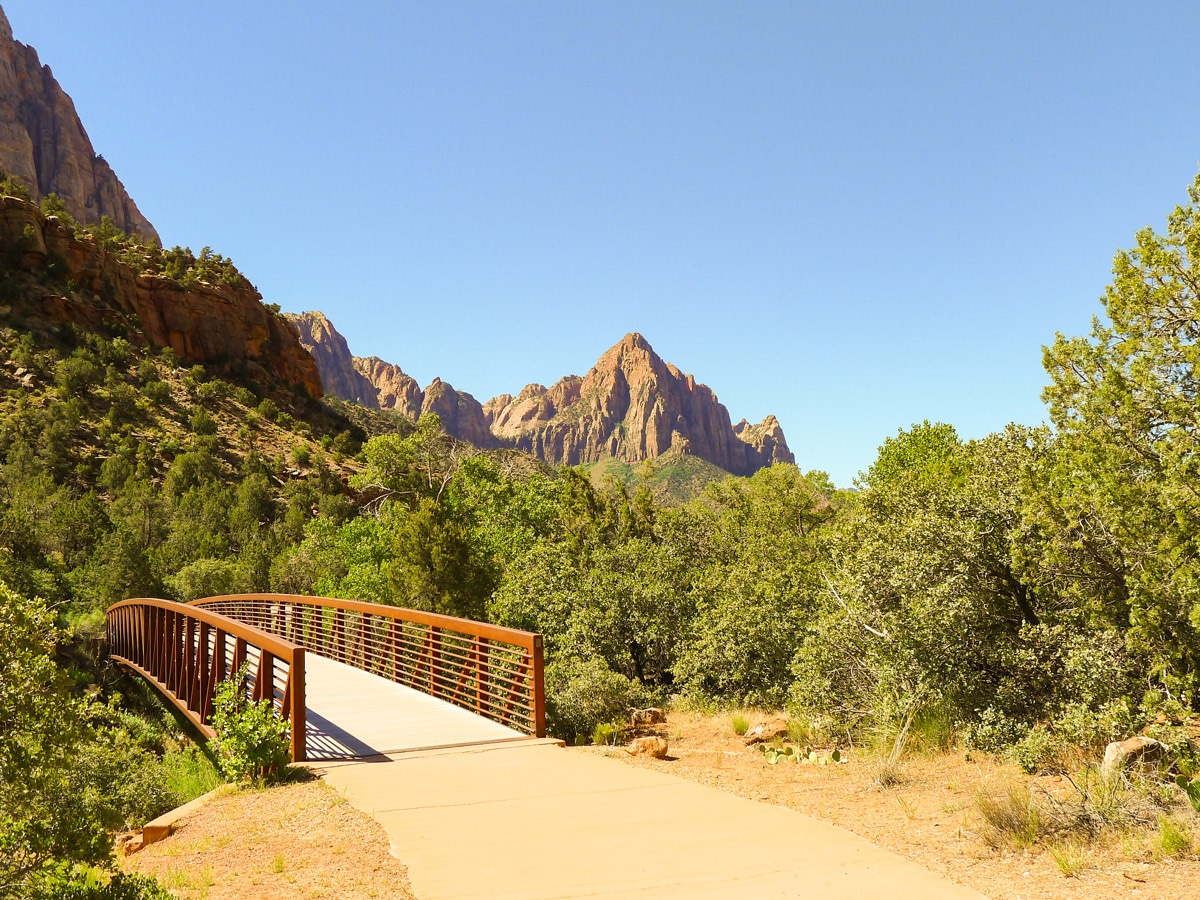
295 841
929 817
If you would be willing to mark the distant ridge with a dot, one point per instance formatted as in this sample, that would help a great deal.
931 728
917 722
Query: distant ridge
631 406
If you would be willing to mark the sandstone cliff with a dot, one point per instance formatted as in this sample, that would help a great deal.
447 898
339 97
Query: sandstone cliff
43 142
461 414
632 406
56 277
376 384
333 360
393 389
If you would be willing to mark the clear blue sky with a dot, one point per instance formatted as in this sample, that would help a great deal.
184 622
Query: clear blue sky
854 216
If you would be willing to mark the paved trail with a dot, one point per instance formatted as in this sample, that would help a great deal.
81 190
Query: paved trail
532 821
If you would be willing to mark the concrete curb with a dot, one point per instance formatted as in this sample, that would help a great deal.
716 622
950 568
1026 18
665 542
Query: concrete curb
158 829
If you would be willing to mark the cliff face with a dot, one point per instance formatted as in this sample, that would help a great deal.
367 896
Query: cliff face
376 384
765 442
461 414
393 389
43 142
333 360
222 326
632 406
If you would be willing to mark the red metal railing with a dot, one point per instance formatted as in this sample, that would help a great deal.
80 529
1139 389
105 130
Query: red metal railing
185 651
493 671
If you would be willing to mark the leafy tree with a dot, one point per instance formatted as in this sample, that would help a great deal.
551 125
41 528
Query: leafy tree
45 816
1121 511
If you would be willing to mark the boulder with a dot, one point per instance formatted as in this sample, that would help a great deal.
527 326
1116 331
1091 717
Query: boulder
647 746
640 718
766 731
1143 752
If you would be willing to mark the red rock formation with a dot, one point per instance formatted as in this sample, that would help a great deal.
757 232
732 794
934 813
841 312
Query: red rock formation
765 440
461 414
43 142
222 326
333 359
393 389
380 385
632 406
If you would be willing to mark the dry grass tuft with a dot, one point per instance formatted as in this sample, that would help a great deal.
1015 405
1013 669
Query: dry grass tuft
1011 816
1070 856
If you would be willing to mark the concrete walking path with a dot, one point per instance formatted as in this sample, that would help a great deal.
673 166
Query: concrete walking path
532 821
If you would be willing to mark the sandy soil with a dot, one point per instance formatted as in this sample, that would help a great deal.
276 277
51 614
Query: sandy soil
929 817
295 841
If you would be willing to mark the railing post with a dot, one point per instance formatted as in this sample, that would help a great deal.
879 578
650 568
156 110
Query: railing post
203 670
239 657
539 688
395 632
264 681
339 629
297 714
481 673
435 655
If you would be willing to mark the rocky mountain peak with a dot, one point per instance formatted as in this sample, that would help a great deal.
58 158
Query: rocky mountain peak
631 405
43 142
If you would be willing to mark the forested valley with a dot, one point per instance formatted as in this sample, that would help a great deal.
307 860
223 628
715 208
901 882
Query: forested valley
1030 590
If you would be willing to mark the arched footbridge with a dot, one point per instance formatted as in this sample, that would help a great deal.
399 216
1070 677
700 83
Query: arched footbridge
354 680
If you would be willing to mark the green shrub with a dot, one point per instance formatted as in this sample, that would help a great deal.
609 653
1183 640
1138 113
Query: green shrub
204 578
1096 728
581 694
252 739
13 186
213 391
130 780
76 376
301 455
993 732
77 883
268 410
1036 752
740 724
603 734
157 392
203 423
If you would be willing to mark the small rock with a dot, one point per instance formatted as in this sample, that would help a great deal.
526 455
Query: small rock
766 731
128 842
1144 752
642 717
647 746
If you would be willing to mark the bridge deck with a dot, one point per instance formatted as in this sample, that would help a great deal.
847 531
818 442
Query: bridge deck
354 714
